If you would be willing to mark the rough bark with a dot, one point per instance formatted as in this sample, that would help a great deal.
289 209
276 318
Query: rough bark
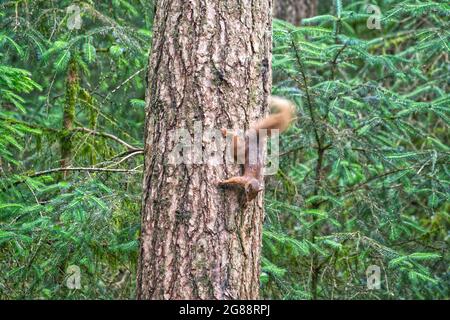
72 89
210 62
294 11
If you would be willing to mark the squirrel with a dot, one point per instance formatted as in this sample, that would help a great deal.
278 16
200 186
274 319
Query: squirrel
252 179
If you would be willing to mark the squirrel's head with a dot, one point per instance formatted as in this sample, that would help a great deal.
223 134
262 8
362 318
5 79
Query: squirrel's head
252 188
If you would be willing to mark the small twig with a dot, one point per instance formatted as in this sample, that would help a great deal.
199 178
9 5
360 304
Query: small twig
334 62
127 80
110 136
45 172
81 169
122 84
309 99
136 153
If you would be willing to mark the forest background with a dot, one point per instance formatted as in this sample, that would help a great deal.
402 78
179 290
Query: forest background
371 89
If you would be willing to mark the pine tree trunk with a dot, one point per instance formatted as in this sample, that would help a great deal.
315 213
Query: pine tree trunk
72 89
294 11
211 62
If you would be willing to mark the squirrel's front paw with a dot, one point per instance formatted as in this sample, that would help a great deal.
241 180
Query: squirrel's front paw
224 132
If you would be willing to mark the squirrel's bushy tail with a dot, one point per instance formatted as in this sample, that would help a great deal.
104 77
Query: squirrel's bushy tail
279 120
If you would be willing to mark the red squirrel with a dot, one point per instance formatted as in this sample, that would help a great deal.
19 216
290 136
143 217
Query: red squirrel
252 179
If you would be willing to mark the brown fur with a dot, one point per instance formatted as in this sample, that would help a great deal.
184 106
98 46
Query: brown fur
252 179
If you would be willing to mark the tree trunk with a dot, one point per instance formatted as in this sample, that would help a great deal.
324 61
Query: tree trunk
72 89
210 63
294 11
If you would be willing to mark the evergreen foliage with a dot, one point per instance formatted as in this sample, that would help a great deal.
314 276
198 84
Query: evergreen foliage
364 177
